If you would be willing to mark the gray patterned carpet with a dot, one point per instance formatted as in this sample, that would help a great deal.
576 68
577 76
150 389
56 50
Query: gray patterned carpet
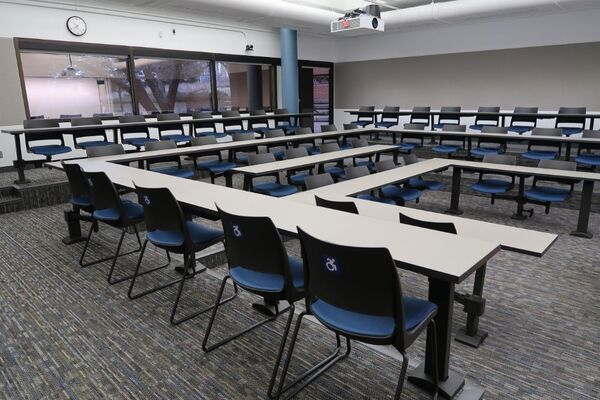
65 333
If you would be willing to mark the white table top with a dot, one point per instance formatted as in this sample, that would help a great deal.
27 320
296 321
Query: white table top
295 163
455 258
520 240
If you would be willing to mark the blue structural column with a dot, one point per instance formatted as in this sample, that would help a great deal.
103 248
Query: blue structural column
289 68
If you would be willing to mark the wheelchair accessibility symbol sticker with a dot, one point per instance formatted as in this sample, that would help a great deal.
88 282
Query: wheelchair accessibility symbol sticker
146 200
331 264
237 232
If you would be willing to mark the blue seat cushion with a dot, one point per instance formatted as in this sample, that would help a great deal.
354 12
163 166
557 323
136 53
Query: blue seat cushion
81 201
397 192
268 282
298 179
335 171
345 146
407 146
571 131
540 155
275 189
362 123
386 124
547 194
208 133
93 143
133 211
372 326
175 171
278 154
50 150
482 151
423 184
216 166
445 149
139 142
241 158
370 197
198 233
592 160
478 127
178 138
519 128
438 126
313 150
261 129
492 186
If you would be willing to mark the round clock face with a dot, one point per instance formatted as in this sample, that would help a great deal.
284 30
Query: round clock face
76 25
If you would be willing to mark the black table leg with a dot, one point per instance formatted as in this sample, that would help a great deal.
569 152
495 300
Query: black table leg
19 163
469 147
584 211
442 294
568 152
474 305
394 138
228 179
455 199
115 136
247 182
520 200
72 218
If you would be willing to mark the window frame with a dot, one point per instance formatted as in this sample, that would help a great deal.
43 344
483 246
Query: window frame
131 52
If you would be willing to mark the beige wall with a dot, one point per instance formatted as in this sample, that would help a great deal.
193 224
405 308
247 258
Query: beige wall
547 77
12 110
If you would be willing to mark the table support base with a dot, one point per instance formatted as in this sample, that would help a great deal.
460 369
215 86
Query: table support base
585 235
268 308
454 212
448 388
473 341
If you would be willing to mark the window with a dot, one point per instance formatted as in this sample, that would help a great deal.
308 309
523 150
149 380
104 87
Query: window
69 83
172 85
244 86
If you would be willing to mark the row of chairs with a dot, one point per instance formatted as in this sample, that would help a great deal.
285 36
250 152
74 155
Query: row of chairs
329 277
138 137
486 116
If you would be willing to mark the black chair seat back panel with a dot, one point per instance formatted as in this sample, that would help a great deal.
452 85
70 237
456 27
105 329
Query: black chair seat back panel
41 123
253 243
483 117
449 117
258 121
169 127
133 129
328 128
88 132
232 114
77 180
104 195
447 227
203 124
362 280
571 120
346 206
420 113
317 181
524 118
389 114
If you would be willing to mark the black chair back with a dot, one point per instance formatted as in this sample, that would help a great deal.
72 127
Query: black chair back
388 114
359 143
449 117
572 119
356 172
203 124
385 165
279 120
556 164
41 123
169 127
204 140
303 130
77 182
346 206
493 129
447 227
88 132
329 147
70 116
127 130
483 117
244 235
272 133
261 158
258 121
162 145
541 145
103 151
104 195
162 212
418 127
232 114
524 118
410 159
328 128
365 116
589 134
317 181
296 152
420 113
104 115
350 126
361 280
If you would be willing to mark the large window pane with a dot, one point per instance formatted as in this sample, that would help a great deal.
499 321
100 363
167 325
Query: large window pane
172 85
63 83
244 86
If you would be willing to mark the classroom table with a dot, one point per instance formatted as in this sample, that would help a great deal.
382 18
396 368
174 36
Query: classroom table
456 259
588 178
502 115
252 171
19 163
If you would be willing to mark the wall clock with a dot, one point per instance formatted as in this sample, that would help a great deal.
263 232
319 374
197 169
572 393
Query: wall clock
76 25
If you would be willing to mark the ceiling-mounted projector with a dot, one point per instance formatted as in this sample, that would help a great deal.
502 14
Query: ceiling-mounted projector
368 18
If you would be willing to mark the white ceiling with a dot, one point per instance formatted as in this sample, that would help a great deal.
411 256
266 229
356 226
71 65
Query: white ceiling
314 16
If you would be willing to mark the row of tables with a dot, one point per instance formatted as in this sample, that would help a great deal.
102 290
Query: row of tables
115 126
591 117
456 256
